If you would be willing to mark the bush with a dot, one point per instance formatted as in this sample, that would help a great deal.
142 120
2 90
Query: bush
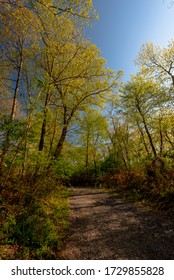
34 222
151 183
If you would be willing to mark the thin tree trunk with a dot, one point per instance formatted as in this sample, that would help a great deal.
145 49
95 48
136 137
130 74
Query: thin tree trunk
172 80
87 156
12 115
25 145
143 139
150 140
147 131
168 139
43 130
13 111
95 161
61 141
53 136
161 138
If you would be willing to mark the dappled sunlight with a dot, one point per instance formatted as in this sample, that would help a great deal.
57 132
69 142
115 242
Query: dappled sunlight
105 227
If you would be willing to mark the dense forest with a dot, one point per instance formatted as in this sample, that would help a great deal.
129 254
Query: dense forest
66 119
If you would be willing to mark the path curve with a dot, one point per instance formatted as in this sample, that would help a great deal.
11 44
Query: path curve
103 226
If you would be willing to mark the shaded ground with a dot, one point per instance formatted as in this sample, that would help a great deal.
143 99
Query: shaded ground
103 226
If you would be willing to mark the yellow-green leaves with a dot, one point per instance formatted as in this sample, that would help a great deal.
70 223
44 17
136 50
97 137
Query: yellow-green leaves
157 61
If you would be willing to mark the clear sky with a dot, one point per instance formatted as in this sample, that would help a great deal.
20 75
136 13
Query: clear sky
124 25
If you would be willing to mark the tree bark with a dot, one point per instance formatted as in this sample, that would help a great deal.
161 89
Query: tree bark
87 156
43 130
61 141
161 138
168 139
53 136
13 111
147 131
12 115
144 142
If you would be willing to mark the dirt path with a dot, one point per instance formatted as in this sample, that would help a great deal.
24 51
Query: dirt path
103 226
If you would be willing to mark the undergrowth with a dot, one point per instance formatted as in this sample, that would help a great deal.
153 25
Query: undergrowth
155 190
33 219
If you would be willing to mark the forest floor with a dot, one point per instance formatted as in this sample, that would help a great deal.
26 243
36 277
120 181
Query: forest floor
104 226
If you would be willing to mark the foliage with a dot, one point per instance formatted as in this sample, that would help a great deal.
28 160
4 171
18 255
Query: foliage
35 223
65 118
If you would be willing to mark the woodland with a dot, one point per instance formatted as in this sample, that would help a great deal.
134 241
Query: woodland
66 119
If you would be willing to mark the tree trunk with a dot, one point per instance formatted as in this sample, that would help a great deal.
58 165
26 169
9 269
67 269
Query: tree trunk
143 139
43 130
13 111
12 115
147 131
172 80
61 141
87 156
150 140
95 162
53 136
161 138
168 139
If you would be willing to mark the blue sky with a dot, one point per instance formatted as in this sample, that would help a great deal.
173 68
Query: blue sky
124 25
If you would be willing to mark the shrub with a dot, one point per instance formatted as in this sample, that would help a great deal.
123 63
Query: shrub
35 222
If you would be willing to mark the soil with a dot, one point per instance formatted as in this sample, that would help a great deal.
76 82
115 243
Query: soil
105 227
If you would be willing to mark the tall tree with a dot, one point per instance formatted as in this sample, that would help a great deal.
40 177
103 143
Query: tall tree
18 27
77 72
141 99
92 137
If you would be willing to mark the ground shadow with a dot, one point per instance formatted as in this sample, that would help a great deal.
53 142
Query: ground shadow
103 226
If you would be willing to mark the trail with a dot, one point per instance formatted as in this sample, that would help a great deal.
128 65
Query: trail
104 226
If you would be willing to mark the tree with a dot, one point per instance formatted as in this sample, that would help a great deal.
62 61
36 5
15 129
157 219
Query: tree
75 9
77 72
141 99
92 137
157 61
18 28
79 9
